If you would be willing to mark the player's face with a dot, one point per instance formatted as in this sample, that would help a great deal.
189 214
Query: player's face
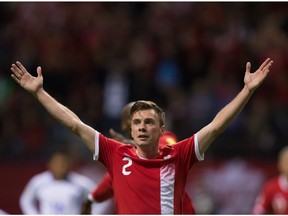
283 163
145 127
59 166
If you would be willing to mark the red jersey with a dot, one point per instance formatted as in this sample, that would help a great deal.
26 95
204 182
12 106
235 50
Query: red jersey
273 198
169 138
104 190
154 186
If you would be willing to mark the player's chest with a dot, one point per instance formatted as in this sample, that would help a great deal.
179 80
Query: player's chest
132 169
58 190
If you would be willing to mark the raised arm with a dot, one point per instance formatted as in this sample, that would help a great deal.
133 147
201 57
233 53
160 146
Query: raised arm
62 114
223 119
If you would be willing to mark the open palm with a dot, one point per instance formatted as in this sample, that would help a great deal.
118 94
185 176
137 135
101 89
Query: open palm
254 80
25 79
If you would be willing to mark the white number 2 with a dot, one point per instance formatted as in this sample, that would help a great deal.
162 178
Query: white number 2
129 163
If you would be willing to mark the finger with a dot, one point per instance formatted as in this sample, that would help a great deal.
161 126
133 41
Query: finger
16 79
112 132
267 67
248 67
264 64
16 68
39 71
21 67
15 71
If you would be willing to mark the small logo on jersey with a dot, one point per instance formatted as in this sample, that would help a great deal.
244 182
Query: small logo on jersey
167 157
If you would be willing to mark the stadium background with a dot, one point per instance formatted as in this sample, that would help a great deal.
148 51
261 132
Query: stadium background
189 57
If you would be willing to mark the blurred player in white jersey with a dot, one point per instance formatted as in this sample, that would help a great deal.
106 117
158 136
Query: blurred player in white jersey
59 190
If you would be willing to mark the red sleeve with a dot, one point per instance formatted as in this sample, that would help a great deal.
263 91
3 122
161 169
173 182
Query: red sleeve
104 190
107 148
186 150
263 201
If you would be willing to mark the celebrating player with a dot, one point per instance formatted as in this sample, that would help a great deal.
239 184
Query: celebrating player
104 189
146 179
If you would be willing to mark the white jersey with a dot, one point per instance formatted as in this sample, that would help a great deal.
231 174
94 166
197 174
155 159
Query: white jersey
2 212
46 195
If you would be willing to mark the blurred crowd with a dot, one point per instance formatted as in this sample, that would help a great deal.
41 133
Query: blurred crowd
189 57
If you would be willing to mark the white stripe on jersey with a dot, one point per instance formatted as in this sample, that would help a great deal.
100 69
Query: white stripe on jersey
167 180
96 153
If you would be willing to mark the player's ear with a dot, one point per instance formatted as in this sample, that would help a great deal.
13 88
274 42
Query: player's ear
162 130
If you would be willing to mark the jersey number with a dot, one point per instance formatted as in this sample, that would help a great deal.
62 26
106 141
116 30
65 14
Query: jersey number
129 163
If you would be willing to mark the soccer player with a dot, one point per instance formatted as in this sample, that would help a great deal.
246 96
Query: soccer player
273 199
146 179
104 189
59 190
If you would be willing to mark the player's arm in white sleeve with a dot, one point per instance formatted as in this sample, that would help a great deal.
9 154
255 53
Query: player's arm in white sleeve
88 186
28 199
223 119
62 114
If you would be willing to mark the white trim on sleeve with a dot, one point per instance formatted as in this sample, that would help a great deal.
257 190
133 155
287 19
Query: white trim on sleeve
197 151
96 153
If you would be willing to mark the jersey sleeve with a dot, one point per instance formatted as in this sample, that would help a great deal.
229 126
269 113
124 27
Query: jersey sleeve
104 149
188 151
85 183
28 197
104 190
263 201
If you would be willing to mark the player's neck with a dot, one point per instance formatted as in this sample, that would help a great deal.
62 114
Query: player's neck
147 154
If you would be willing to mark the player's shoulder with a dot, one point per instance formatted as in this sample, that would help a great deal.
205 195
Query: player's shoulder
111 141
272 183
273 179
166 147
43 175
127 150
80 179
41 178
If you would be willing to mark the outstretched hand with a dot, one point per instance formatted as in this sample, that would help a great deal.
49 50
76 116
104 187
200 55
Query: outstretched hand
25 79
254 80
